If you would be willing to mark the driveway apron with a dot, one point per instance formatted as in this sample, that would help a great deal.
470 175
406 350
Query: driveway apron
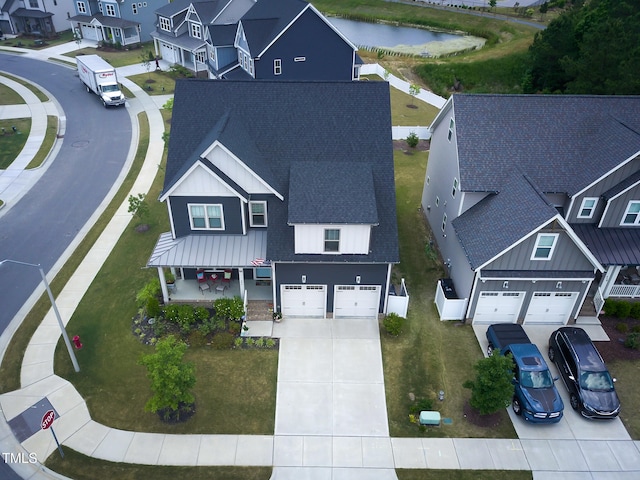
330 380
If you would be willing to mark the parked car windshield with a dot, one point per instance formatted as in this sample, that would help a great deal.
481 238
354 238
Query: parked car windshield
536 379
596 381
110 88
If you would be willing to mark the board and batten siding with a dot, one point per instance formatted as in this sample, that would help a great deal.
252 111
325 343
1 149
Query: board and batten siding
231 211
236 171
354 239
201 182
566 256
331 274
618 207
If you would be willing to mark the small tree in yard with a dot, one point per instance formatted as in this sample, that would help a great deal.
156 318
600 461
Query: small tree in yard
138 206
171 379
492 389
414 90
412 140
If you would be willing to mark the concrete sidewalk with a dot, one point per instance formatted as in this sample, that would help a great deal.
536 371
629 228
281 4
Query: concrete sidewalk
331 409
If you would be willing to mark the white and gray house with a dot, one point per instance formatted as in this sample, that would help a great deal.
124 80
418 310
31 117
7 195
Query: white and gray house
534 205
285 190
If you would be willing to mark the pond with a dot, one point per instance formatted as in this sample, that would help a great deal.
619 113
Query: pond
403 39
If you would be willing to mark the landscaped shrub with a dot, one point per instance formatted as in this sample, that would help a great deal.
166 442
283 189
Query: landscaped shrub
393 324
222 341
492 389
229 308
150 290
611 307
633 341
420 405
202 314
259 342
234 328
197 338
153 307
183 315
624 309
622 327
635 310
412 140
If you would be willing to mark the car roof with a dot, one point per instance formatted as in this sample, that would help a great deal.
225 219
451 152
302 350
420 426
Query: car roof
528 357
587 354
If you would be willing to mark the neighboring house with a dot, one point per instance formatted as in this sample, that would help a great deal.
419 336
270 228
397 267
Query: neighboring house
34 17
123 22
284 187
242 39
534 203
182 29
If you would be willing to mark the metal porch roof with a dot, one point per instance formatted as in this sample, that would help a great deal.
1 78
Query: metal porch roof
195 251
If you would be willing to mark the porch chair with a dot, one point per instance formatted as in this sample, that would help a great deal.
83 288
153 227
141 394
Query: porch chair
203 284
226 279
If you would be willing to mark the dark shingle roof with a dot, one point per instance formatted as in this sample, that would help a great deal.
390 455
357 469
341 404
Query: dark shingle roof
222 35
291 122
500 220
266 19
562 142
332 192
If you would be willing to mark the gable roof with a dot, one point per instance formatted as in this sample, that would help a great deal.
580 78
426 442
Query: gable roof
291 122
332 192
502 219
562 142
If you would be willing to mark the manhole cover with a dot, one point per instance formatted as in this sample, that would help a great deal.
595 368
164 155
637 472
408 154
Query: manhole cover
80 144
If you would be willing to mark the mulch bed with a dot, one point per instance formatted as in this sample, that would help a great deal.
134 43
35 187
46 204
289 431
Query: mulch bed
615 349
423 146
474 417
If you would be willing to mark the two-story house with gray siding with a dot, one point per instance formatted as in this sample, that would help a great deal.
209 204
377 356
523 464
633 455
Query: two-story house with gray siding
42 18
119 22
534 204
245 40
281 192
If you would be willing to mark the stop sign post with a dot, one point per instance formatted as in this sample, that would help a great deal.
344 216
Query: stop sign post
47 421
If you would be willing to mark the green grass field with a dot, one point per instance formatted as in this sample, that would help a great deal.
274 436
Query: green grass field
11 144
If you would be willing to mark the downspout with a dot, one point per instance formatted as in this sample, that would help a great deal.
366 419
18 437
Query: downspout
386 290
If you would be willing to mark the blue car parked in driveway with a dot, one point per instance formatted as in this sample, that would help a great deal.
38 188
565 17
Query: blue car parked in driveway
535 396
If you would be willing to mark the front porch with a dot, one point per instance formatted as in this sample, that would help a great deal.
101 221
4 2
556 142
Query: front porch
190 290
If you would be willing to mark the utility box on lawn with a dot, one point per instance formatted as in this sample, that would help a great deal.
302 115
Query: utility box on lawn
430 417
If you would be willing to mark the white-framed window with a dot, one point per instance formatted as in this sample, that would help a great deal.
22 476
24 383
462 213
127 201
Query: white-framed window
632 214
332 240
262 272
100 8
454 190
206 217
258 214
277 66
212 54
134 8
196 30
201 56
251 66
82 8
300 59
437 201
33 3
544 247
451 125
110 10
165 24
444 222
588 207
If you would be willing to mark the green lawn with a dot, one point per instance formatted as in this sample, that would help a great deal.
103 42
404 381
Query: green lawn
8 96
118 58
627 372
11 144
463 475
47 143
36 91
155 83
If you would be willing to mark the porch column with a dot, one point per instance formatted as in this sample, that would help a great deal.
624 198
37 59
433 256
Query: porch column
609 279
163 285
241 279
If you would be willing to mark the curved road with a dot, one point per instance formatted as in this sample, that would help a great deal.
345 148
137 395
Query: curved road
43 223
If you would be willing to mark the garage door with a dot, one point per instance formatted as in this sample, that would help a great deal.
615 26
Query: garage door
498 307
356 301
91 33
551 307
168 53
303 300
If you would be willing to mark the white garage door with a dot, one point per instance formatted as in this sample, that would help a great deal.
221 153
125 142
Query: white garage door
498 307
303 300
551 307
91 33
169 53
361 301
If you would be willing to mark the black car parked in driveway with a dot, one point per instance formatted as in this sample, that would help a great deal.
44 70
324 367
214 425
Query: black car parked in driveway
583 371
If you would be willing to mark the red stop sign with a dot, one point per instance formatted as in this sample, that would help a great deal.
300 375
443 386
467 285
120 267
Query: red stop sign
47 419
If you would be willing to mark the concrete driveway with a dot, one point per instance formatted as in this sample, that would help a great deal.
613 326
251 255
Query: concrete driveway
573 426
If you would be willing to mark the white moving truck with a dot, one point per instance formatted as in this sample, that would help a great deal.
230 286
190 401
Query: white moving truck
100 78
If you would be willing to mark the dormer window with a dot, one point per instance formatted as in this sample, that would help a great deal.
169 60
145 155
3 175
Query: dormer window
82 8
545 245
196 31
632 215
165 24
332 240
110 10
258 214
588 207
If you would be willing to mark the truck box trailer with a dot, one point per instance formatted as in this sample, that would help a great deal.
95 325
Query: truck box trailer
100 78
